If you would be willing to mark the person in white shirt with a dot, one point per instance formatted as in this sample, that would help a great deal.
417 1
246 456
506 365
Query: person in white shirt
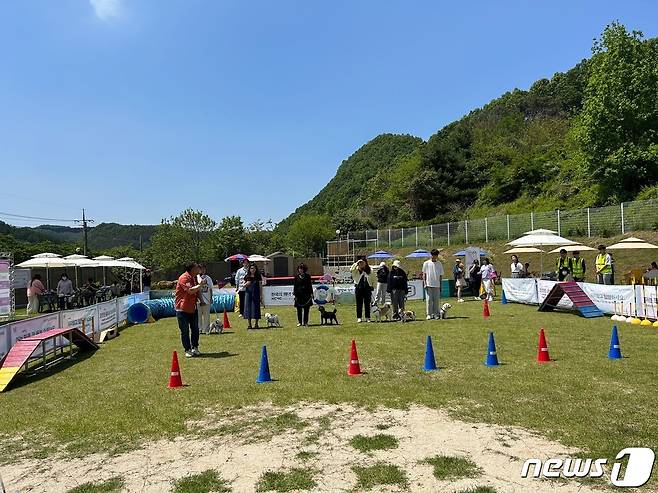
239 284
205 300
516 267
432 278
487 271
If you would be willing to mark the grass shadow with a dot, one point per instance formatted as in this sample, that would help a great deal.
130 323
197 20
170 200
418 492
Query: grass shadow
23 379
221 354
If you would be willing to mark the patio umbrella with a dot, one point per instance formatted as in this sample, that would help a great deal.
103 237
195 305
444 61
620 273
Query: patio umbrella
381 254
524 250
239 257
574 248
47 261
103 262
258 258
419 254
539 238
80 261
130 263
632 244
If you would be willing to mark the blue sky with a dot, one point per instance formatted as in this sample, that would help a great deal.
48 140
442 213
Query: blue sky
137 109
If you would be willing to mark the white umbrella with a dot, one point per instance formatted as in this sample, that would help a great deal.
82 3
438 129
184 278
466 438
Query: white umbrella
80 261
258 258
46 255
47 262
540 238
524 250
103 262
574 248
632 244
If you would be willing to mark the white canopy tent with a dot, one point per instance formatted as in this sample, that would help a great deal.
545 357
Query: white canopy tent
80 261
258 258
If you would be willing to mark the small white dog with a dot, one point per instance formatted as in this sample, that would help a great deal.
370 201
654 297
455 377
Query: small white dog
375 313
217 326
443 313
407 315
272 320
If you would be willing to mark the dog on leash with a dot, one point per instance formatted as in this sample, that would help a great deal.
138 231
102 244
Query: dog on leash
382 313
217 326
443 312
327 317
407 315
375 313
272 320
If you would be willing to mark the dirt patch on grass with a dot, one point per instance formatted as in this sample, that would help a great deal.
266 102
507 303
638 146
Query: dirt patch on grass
245 444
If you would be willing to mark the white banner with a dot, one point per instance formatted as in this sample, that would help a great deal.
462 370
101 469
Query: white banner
32 326
22 278
647 301
282 295
107 315
5 340
604 297
72 319
123 304
520 290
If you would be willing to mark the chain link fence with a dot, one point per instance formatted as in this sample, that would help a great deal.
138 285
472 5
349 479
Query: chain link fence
578 223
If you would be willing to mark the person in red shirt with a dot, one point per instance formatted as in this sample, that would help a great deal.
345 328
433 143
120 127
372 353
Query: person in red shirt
187 291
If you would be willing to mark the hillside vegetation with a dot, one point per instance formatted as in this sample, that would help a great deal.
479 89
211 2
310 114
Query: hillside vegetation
585 137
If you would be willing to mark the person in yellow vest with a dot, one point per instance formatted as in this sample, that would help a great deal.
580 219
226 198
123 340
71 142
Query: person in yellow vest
578 267
562 266
603 266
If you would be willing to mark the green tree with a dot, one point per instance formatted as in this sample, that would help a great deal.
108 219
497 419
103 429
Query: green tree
618 127
259 236
309 235
231 237
192 235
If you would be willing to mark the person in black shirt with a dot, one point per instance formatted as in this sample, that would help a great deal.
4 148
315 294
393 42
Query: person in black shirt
303 293
382 281
397 287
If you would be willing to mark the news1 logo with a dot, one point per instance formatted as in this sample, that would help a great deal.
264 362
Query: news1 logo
637 472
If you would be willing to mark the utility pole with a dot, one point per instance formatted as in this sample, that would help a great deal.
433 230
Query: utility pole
84 222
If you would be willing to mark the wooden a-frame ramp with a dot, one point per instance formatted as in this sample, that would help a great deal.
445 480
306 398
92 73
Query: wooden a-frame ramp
581 302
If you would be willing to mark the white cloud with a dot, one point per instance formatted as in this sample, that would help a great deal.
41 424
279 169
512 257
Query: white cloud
106 10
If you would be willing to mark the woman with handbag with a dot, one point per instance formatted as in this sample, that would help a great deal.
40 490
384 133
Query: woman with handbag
303 293
362 289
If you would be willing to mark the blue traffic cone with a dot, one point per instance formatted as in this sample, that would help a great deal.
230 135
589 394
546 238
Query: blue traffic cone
430 362
615 351
264 372
503 298
492 358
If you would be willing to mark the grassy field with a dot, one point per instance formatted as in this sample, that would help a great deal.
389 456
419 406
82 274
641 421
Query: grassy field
118 398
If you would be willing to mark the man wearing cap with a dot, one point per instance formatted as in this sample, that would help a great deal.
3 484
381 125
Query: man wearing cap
578 267
382 282
562 264
240 288
603 266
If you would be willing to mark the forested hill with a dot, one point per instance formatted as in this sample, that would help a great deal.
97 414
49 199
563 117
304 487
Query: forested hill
100 237
585 137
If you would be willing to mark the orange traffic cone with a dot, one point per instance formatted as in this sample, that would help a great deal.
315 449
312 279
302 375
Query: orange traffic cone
175 380
542 350
485 309
226 323
354 368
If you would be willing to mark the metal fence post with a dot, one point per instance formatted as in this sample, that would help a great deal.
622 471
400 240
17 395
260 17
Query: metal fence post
448 234
431 235
532 220
622 219
507 227
589 225
377 240
486 230
402 232
416 236
466 229
559 232
389 237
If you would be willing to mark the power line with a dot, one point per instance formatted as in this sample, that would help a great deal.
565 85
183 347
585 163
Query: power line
37 218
